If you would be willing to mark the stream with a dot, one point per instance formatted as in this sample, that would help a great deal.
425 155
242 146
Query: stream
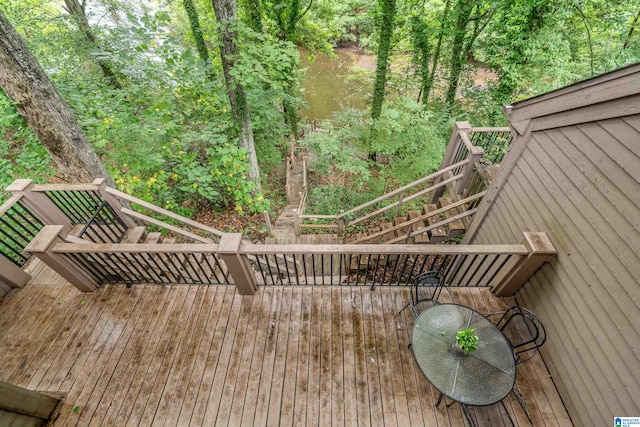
332 85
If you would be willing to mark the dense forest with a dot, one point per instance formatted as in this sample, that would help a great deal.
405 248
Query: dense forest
192 104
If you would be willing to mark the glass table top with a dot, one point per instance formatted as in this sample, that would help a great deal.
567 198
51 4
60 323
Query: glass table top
481 378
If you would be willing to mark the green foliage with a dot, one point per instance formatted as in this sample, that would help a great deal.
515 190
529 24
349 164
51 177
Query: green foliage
408 138
412 137
386 25
21 154
467 340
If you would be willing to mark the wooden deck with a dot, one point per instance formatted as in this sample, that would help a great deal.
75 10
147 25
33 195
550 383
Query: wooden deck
203 355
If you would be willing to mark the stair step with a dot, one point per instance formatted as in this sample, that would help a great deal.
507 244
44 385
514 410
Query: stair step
153 237
134 235
438 234
358 263
374 230
456 227
387 236
422 237
401 232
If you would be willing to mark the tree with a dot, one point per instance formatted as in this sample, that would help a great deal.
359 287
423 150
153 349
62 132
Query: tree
428 85
225 11
254 14
196 30
388 10
466 12
77 12
45 112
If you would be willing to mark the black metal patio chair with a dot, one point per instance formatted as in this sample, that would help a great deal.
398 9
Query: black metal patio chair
527 334
426 288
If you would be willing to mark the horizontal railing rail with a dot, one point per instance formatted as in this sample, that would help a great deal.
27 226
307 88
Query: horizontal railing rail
369 211
88 265
207 234
469 201
370 265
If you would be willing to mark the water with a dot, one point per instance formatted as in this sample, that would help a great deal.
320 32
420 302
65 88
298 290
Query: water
334 84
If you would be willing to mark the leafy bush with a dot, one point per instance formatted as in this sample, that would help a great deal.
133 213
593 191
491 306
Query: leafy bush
409 141
21 154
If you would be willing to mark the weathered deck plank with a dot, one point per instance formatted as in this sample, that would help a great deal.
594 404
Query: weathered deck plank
196 355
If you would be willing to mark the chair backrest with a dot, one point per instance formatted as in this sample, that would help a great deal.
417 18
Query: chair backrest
525 331
433 281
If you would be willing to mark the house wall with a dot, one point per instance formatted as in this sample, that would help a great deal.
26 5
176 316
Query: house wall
574 172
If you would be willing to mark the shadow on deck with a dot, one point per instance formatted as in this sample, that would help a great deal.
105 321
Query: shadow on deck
204 355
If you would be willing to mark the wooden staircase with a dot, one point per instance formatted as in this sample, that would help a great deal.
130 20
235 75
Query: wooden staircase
439 223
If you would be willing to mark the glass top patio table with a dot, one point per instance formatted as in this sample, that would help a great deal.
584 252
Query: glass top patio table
481 378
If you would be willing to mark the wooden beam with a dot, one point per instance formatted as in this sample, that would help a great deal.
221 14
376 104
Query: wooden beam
27 402
522 268
237 264
12 275
41 246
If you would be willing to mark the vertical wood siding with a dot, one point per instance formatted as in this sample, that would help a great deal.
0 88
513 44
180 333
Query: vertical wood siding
581 184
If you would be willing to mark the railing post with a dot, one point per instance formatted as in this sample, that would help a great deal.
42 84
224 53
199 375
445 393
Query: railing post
296 222
113 202
22 401
267 222
340 228
454 141
449 156
399 207
518 271
237 264
11 275
474 156
41 247
40 205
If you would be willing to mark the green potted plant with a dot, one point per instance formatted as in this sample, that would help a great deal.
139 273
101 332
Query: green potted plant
467 340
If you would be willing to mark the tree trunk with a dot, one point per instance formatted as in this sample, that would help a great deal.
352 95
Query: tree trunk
463 13
196 30
44 110
225 11
632 27
436 55
384 48
421 51
76 10
254 15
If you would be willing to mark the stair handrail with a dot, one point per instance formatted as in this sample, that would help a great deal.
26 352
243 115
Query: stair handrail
217 234
423 217
304 196
339 219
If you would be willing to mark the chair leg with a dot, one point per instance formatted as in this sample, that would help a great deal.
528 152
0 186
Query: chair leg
406 305
516 392
467 415
508 414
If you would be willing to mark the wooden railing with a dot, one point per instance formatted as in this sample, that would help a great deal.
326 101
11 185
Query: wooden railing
470 208
18 226
391 203
479 146
469 148
495 142
88 265
102 214
188 229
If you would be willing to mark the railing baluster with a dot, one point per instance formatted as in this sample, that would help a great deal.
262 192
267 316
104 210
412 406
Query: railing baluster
295 267
304 267
493 276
